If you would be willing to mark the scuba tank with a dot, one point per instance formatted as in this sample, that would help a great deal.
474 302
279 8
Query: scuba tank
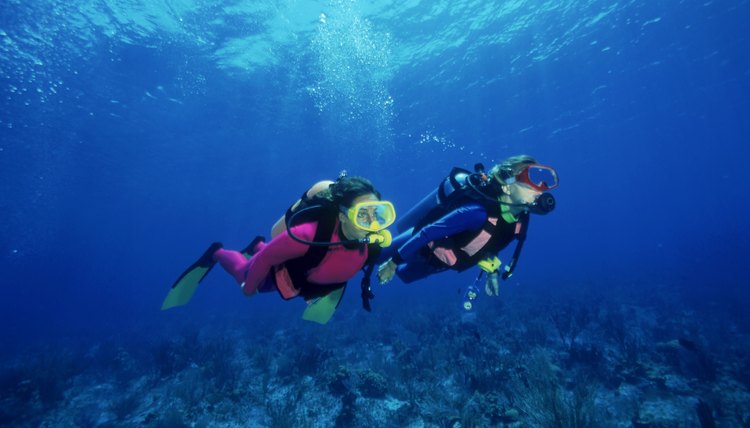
412 217
451 188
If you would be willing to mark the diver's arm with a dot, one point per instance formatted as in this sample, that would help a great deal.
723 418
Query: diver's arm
280 225
279 250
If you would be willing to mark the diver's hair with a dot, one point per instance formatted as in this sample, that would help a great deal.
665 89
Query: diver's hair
345 190
510 167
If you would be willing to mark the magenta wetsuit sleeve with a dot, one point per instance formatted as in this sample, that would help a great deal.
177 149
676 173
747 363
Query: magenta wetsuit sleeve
468 217
279 250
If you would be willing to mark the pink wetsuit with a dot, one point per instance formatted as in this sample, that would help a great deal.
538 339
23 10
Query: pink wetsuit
339 264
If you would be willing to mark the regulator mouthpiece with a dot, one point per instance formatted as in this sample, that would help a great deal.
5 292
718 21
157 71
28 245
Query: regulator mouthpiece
383 238
544 204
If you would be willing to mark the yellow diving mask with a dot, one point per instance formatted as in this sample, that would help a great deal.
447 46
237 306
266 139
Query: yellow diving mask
372 216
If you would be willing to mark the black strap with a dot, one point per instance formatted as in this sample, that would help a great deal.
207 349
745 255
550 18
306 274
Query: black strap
373 252
367 293
521 237
303 203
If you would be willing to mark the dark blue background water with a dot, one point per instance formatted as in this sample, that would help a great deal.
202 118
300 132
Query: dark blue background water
133 136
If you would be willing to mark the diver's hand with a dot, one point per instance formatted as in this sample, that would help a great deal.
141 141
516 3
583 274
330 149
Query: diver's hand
386 271
492 286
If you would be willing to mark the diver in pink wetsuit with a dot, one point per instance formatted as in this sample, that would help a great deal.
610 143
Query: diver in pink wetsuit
325 238
266 269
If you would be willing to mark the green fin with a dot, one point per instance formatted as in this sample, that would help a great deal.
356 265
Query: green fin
183 289
321 309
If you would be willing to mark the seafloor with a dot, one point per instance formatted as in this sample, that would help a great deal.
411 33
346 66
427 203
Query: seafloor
539 356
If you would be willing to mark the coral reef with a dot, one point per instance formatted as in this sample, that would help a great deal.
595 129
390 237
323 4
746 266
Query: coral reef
557 361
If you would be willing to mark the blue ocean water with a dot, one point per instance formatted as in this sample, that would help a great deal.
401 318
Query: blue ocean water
133 134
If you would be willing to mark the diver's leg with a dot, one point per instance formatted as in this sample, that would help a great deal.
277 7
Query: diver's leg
387 252
234 262
254 246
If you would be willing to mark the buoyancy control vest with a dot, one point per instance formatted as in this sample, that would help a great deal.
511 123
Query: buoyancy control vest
465 249
298 268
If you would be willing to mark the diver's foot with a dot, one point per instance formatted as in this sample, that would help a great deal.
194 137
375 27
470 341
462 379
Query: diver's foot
207 259
254 246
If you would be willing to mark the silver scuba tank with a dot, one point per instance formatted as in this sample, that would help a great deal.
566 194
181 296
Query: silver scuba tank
433 199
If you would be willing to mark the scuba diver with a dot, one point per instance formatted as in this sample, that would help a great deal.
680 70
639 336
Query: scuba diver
468 220
323 240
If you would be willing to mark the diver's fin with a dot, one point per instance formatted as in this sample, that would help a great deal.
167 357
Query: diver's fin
250 249
321 310
183 289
